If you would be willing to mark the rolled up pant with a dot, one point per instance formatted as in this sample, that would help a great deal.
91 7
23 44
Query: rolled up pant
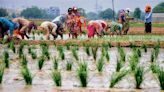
148 27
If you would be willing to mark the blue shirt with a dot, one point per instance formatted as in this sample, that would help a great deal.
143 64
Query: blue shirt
7 23
148 17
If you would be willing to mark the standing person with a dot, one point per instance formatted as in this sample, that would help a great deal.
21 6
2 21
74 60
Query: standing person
148 19
122 18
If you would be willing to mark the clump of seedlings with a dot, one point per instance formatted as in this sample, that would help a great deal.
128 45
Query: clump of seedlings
138 74
41 62
55 64
68 46
75 54
153 57
160 75
45 50
20 49
61 52
2 67
121 53
69 65
119 65
56 76
116 77
33 55
27 75
154 67
6 59
23 61
82 73
100 64
94 52
11 46
134 59
87 50
144 46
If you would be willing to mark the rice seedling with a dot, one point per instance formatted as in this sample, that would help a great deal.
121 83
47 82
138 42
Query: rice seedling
116 77
160 75
33 55
109 44
154 67
11 46
56 76
68 46
138 52
105 46
27 75
55 64
75 54
45 50
6 59
94 52
2 67
29 50
134 59
107 56
119 65
138 74
23 61
20 49
100 64
82 73
121 53
41 62
61 52
87 50
69 66
132 45
144 46
152 57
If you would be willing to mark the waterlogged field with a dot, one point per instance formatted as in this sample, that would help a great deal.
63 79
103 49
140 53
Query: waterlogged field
61 68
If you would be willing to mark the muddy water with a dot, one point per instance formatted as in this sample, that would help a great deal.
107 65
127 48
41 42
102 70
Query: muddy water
42 82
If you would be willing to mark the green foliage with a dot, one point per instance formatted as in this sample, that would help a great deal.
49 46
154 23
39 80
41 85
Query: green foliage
144 46
69 66
55 64
41 62
139 72
45 50
61 52
94 52
33 55
87 50
82 73
154 67
121 53
3 12
137 13
56 76
74 53
106 14
160 75
134 59
159 8
100 64
2 67
116 77
119 65
11 46
6 59
23 61
27 75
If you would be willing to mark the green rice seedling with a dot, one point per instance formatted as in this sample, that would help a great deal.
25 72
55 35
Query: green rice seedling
82 73
41 62
33 55
20 49
94 52
68 46
27 75
29 50
121 53
6 59
109 44
100 64
87 50
11 46
2 67
144 46
116 77
138 52
134 59
160 75
69 66
57 78
105 46
119 65
55 64
75 54
138 74
107 56
152 57
61 52
154 67
23 61
132 45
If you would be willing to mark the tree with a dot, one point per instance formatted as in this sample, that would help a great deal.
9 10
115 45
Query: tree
159 8
33 12
82 12
106 14
3 12
92 16
137 13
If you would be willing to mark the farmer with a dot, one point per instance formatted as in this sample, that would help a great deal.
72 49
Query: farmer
49 28
24 27
127 18
122 18
148 19
94 27
60 22
7 25
116 27
104 25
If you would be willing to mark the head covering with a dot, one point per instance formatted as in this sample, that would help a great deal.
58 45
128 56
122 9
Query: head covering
69 10
148 8
127 10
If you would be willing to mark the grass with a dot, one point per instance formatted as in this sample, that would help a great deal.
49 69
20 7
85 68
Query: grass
27 75
160 75
87 50
82 73
6 59
55 64
94 52
2 67
100 64
74 53
138 74
61 52
56 76
69 66
41 62
116 77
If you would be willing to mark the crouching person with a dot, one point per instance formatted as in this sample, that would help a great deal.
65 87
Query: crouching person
116 28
